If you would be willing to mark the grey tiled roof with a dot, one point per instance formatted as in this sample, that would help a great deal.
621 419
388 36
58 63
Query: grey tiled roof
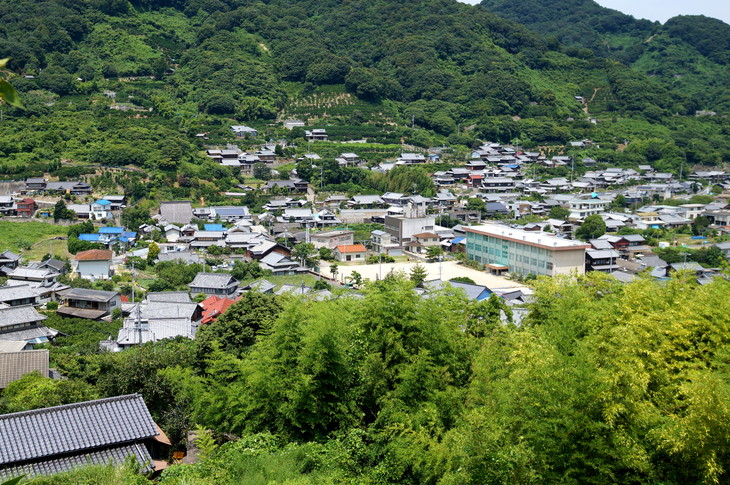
114 455
10 293
88 294
54 264
177 211
157 329
165 309
472 291
262 285
19 314
169 296
29 333
12 345
213 280
14 365
71 428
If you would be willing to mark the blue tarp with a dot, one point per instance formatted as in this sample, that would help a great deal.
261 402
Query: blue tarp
214 227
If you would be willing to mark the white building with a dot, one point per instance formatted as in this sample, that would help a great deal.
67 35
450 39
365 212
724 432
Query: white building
502 248
582 208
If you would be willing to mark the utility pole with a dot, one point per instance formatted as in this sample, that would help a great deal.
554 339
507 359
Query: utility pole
681 168
572 167
380 264
138 315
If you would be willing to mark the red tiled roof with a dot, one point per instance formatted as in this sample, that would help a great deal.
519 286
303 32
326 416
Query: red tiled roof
214 306
94 255
351 248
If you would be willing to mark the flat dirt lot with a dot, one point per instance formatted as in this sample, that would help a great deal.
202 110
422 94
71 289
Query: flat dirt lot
448 270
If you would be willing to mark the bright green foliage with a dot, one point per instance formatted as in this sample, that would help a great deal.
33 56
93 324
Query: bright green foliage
463 279
174 275
560 213
434 252
476 204
146 370
238 328
603 385
126 474
8 93
34 391
603 382
418 274
134 216
205 442
305 254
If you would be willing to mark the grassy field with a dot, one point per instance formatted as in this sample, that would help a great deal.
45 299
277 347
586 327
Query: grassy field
33 238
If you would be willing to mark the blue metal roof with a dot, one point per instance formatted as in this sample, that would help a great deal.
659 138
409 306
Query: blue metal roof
111 230
89 237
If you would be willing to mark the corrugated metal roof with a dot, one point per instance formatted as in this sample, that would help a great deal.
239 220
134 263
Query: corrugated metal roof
46 432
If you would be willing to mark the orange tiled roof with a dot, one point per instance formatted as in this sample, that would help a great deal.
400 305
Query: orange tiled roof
214 306
94 255
352 248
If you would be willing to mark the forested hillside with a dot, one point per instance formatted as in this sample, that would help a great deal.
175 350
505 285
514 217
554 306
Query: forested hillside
688 53
602 383
428 73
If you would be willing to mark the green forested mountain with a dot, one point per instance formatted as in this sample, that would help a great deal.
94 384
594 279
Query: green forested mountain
425 73
689 53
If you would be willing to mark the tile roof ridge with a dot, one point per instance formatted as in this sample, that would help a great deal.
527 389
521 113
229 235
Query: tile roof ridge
72 405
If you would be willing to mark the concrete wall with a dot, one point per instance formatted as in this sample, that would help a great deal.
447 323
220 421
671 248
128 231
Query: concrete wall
360 215
93 269
567 262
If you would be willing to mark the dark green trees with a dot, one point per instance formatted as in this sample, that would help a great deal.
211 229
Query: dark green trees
593 227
